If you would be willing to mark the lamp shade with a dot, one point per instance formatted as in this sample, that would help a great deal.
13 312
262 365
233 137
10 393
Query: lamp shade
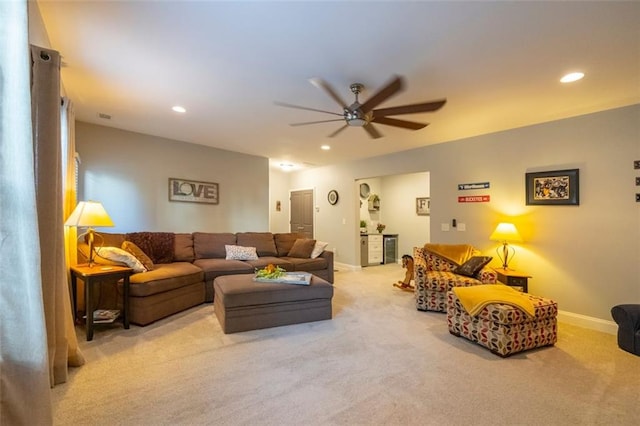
89 213
506 232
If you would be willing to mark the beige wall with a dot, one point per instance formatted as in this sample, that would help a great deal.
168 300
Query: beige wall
278 191
586 257
128 172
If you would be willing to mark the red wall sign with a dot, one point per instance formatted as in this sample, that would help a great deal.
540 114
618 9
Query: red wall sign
474 199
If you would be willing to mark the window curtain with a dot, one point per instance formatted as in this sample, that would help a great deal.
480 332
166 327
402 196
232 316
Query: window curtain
69 201
47 148
24 368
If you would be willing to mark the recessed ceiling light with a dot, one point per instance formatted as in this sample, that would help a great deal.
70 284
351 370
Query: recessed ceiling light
571 77
180 109
286 166
325 147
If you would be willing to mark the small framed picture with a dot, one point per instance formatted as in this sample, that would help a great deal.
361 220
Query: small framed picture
423 206
558 187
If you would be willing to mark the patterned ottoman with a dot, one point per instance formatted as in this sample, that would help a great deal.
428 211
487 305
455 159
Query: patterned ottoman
504 329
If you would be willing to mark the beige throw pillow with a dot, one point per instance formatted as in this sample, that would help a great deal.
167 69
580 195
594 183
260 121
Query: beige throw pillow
132 248
318 249
116 254
240 253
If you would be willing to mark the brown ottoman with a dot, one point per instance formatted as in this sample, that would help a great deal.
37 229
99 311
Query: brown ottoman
242 304
504 329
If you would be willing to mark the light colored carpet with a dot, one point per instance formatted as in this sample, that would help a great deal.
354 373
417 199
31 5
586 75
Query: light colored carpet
378 361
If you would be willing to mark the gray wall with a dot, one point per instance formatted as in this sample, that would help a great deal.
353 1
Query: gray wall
586 257
128 172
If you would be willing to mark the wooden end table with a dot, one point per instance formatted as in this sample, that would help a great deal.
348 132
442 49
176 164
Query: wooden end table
513 278
92 275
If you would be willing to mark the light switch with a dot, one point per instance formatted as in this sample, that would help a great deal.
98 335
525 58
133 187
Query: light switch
462 227
444 226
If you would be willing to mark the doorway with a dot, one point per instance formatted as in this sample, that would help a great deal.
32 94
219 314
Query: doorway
301 208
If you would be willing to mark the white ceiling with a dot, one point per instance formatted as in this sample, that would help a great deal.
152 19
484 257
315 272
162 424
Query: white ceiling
497 63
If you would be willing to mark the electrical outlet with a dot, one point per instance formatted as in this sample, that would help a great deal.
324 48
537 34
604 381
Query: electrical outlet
335 251
444 227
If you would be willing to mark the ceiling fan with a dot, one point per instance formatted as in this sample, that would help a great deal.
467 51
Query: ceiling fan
364 115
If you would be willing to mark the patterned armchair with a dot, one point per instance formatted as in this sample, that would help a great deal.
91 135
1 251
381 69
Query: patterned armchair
434 277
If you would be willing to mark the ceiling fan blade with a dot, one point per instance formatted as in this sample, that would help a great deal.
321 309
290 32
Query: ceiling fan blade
315 122
338 131
372 131
284 104
399 123
321 84
393 87
410 109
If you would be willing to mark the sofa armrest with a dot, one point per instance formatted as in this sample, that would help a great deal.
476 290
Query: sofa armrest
628 319
628 315
328 256
419 267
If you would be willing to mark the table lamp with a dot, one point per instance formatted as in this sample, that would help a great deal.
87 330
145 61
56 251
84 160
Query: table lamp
504 233
89 214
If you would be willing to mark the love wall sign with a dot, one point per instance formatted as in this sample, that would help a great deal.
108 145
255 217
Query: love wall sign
193 191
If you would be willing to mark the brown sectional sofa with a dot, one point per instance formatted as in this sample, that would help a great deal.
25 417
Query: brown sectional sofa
197 259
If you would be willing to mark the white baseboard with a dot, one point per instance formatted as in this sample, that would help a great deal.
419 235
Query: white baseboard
346 267
588 322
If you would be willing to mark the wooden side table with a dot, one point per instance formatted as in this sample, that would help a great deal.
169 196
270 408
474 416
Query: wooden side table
95 275
513 278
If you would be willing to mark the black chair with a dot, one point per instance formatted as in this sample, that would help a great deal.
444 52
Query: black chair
628 319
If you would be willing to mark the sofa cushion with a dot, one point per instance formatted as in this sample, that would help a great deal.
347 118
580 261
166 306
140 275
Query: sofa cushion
302 248
157 245
106 239
216 267
240 253
83 256
208 245
165 277
444 281
263 261
307 265
284 242
471 267
139 254
262 241
183 248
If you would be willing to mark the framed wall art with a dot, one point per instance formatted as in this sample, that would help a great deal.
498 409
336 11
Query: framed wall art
423 206
558 187
193 191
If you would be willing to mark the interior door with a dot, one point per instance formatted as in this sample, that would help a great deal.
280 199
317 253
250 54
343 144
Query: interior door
301 208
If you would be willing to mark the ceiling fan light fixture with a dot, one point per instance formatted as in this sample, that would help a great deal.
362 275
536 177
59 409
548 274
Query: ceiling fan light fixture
571 77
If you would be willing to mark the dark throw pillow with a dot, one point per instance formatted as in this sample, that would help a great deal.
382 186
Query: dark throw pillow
302 248
472 266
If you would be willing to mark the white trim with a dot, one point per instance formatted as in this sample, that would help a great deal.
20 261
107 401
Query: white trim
346 267
592 323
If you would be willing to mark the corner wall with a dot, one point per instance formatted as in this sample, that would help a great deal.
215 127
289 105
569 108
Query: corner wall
585 257
129 173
